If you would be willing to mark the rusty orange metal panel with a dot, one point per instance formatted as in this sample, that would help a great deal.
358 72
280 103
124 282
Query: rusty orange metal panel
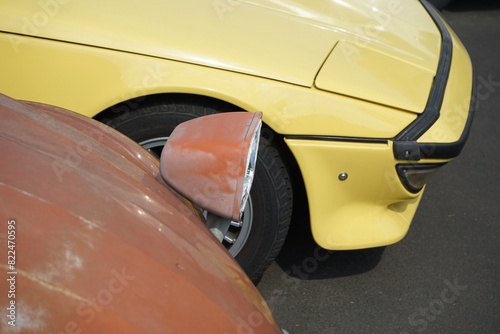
102 245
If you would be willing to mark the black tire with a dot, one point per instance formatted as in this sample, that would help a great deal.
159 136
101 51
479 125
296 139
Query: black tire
270 204
440 4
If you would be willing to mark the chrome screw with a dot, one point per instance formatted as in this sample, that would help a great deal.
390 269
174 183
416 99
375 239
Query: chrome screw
343 176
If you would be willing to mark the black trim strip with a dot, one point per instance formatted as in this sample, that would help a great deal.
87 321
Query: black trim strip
343 139
405 145
411 150
432 109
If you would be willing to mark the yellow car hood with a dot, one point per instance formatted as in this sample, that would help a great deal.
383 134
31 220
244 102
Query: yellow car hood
289 41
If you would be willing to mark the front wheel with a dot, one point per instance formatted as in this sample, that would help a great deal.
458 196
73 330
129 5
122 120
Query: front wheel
257 239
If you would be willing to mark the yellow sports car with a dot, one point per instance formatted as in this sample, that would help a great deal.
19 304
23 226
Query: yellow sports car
362 100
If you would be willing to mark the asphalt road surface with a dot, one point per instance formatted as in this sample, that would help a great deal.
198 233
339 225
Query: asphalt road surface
444 277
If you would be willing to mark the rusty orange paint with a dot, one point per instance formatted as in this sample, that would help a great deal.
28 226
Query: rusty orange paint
102 245
205 159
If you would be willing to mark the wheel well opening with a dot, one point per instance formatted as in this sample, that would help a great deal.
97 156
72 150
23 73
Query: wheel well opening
171 99
300 214
300 210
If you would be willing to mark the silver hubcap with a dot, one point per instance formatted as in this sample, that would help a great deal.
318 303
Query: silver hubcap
155 145
238 232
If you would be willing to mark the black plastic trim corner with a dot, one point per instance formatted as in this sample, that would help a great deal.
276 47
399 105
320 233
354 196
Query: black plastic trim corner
411 150
433 106
405 145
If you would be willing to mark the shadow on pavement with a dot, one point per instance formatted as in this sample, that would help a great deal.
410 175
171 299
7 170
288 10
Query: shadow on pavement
302 258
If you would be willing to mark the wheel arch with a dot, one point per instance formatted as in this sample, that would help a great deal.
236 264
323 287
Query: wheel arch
300 203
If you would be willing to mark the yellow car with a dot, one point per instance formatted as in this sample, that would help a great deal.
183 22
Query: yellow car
362 101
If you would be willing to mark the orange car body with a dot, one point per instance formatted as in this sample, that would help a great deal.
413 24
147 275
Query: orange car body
98 243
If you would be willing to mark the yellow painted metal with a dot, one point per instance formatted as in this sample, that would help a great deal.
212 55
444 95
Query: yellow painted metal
373 75
370 208
89 80
90 55
192 31
285 41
